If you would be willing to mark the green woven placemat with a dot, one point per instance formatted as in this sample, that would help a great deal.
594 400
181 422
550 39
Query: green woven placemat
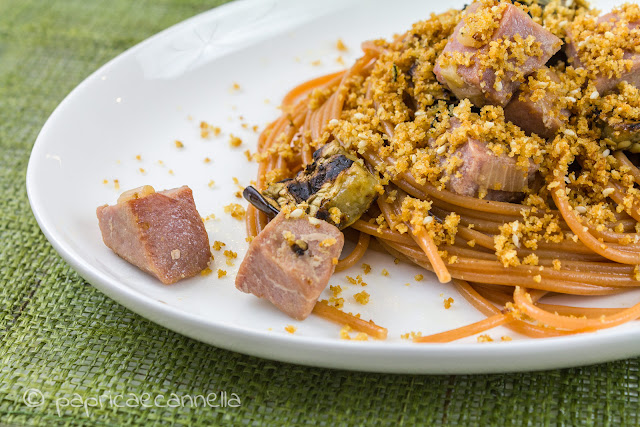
64 344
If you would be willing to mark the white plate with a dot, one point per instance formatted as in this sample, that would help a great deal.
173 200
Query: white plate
158 92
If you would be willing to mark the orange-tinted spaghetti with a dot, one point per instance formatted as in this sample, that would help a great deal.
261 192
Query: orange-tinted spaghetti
571 229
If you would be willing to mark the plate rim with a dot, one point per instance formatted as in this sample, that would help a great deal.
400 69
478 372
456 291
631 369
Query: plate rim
310 351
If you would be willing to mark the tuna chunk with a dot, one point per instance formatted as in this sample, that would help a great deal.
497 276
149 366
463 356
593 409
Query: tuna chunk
290 263
481 170
608 59
534 107
487 66
161 233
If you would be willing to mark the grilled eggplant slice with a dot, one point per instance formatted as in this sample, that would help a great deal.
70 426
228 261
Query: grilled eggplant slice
624 135
336 179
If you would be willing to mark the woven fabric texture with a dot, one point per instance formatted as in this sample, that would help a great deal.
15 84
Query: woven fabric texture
62 339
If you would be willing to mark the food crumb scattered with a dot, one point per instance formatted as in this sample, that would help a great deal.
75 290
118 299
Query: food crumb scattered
337 302
506 338
316 63
366 268
411 335
234 141
105 181
206 129
142 171
485 338
207 271
344 332
248 155
138 157
116 184
211 183
418 277
290 328
221 273
207 160
217 245
230 257
341 46
235 86
362 297
328 242
384 272
179 144
235 210
448 303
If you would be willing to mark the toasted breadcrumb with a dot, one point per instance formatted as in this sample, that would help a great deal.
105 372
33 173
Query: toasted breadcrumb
335 290
362 297
328 242
366 268
341 46
336 302
230 257
178 144
411 335
418 277
291 329
207 271
221 273
384 272
448 303
485 338
235 210
234 141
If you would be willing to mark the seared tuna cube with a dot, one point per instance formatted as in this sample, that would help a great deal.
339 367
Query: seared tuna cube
481 171
534 107
607 47
161 233
491 51
290 262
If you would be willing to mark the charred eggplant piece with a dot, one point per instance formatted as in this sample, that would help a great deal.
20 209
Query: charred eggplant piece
253 196
336 187
624 135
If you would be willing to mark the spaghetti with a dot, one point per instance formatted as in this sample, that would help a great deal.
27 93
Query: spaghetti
574 231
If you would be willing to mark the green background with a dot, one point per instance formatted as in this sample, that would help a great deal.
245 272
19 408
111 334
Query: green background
60 335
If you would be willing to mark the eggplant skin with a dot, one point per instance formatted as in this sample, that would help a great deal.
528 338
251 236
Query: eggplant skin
336 179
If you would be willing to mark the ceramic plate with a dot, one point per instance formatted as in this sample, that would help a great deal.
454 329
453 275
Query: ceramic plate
230 68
